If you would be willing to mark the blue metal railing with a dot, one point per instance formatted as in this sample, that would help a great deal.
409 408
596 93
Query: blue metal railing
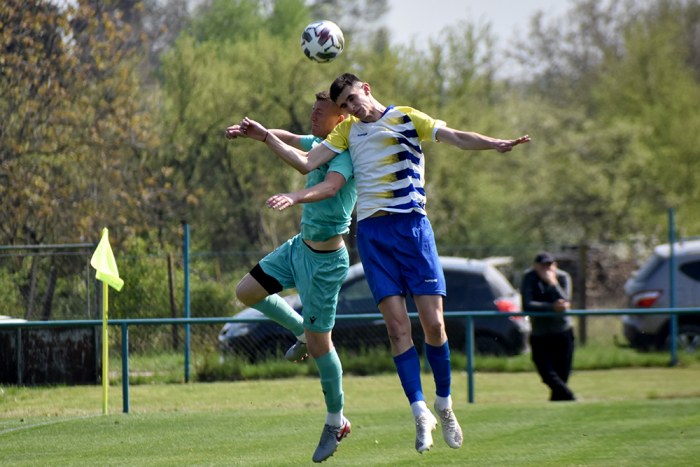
468 315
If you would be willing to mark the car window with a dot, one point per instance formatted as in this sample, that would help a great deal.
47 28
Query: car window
498 283
691 270
355 290
649 268
356 298
467 291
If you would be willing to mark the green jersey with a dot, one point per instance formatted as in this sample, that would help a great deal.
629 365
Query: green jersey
330 217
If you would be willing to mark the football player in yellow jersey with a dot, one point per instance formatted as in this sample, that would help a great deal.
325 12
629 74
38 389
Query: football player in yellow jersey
394 236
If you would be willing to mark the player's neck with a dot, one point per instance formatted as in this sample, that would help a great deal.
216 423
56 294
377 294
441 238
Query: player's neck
377 112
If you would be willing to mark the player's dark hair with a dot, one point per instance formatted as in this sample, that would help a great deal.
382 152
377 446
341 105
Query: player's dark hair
342 82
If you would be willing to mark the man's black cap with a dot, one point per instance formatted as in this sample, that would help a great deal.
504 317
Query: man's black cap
544 257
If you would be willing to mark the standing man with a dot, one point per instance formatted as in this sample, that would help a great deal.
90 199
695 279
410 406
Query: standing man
546 288
315 262
394 237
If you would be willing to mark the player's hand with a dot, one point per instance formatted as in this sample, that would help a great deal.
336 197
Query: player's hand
507 145
253 129
234 132
280 202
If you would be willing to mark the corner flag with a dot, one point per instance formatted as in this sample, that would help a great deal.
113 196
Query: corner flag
106 271
105 265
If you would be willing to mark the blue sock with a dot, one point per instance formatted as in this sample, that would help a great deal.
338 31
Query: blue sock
275 308
408 367
439 359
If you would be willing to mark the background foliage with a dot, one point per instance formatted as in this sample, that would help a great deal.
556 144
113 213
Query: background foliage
116 110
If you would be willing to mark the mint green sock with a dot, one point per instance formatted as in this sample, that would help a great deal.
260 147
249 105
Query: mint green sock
275 308
331 372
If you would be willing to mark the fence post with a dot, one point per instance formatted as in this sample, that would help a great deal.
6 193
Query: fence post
173 307
125 366
673 332
470 358
582 321
187 302
20 363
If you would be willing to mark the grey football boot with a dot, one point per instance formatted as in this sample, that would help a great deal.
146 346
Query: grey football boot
330 439
297 352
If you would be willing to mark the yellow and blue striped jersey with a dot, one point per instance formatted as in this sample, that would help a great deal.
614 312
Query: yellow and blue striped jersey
387 159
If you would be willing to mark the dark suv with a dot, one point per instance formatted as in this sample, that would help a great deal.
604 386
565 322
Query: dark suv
472 285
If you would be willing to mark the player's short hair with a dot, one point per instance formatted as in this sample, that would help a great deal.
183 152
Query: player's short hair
342 82
326 96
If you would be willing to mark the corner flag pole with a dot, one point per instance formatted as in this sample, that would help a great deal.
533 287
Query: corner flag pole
105 346
106 271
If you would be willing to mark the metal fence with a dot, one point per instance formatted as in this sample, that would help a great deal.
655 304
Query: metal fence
55 282
124 336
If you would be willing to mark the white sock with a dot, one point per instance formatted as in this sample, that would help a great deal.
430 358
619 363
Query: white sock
442 403
335 419
419 408
302 338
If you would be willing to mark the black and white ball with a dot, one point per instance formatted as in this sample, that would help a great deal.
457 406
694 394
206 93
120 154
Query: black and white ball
322 41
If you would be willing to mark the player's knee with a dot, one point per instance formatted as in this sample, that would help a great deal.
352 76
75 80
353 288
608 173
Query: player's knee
434 330
243 294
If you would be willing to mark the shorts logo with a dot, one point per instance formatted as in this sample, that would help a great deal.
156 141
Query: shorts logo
312 319
431 280
362 134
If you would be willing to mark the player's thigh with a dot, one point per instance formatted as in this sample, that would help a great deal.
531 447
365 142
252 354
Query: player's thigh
431 318
393 309
278 264
319 277
249 291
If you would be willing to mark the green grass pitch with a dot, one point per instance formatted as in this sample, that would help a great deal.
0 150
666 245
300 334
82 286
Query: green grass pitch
639 417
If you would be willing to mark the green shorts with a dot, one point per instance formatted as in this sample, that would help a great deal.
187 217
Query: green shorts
317 277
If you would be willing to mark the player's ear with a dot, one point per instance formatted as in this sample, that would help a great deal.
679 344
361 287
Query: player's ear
366 88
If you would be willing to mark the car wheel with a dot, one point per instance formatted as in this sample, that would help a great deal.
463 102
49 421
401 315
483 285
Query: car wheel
688 338
487 345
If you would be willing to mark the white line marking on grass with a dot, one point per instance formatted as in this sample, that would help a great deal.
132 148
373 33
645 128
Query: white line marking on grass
47 423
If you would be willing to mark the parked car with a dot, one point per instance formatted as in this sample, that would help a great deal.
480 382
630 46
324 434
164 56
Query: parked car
650 288
472 285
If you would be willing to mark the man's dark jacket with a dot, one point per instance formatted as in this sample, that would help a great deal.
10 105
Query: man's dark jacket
538 296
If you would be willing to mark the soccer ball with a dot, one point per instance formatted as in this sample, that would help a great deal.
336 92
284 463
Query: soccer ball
322 41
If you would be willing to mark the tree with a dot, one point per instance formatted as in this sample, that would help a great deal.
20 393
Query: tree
75 132
613 101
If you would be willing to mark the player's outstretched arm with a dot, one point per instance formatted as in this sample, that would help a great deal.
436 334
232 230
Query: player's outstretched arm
326 189
302 161
474 141
234 131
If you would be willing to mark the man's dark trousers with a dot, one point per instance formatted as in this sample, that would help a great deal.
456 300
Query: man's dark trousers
553 355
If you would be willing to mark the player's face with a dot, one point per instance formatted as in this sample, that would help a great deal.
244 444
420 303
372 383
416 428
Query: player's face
325 115
356 101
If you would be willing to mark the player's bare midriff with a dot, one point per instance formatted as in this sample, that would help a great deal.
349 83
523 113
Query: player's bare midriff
332 244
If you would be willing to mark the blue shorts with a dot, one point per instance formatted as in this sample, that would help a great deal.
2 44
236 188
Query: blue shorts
317 277
399 255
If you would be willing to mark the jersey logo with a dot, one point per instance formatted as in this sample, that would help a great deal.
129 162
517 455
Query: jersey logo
362 134
431 280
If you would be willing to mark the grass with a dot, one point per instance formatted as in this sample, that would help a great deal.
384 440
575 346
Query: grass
635 417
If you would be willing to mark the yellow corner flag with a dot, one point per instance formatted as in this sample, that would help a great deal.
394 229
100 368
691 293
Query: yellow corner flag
105 265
